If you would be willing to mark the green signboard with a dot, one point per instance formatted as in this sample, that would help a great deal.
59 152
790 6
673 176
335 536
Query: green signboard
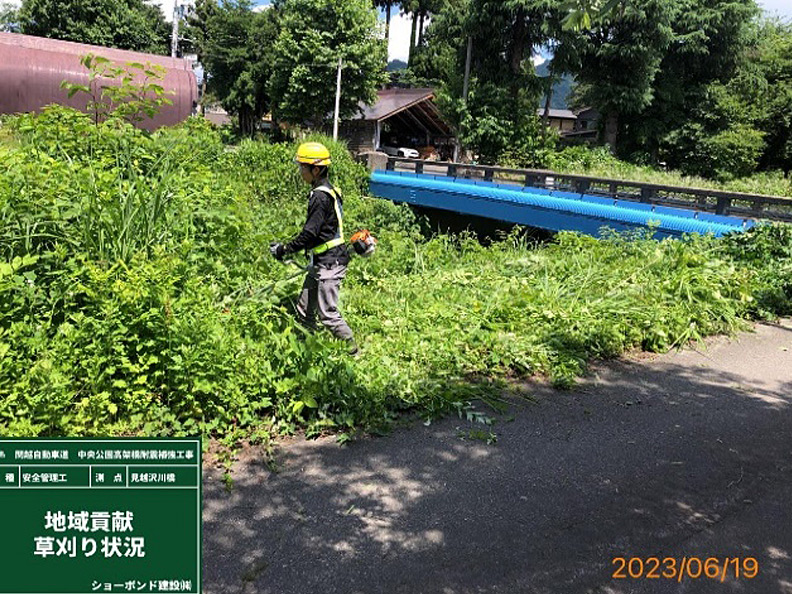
100 515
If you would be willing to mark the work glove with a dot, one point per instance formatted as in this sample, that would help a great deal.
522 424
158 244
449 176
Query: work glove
278 250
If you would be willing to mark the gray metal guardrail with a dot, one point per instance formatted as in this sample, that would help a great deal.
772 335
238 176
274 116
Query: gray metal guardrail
716 201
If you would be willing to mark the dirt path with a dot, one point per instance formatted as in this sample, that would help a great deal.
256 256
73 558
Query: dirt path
689 454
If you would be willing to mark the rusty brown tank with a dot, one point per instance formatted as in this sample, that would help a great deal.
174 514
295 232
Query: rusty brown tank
32 68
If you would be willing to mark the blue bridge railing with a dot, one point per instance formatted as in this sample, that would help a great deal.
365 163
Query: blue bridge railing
554 210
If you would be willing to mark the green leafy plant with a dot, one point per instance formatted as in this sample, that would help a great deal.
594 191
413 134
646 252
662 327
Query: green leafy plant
118 252
131 92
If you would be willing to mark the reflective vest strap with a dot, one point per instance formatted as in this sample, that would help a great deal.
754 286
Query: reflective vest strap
339 239
328 245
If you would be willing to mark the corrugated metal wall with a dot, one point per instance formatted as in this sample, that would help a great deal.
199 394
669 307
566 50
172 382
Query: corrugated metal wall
32 68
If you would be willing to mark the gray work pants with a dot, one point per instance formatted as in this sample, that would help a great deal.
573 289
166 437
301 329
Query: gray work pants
320 294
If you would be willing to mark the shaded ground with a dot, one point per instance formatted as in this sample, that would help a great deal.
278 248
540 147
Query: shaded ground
689 454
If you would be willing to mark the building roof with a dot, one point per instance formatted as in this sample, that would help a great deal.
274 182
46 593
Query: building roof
411 107
587 112
392 101
561 114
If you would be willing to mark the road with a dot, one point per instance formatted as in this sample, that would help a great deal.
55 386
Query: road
683 455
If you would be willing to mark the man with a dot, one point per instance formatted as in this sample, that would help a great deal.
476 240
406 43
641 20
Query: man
322 237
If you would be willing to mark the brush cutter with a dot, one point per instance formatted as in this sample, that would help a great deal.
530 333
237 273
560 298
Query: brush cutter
249 292
363 243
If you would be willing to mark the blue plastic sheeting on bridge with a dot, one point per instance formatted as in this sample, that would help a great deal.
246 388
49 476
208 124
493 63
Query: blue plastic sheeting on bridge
546 209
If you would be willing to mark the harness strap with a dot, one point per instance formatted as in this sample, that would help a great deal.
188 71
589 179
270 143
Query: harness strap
339 238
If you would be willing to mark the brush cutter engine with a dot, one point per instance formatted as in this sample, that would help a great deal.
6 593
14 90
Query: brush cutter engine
364 243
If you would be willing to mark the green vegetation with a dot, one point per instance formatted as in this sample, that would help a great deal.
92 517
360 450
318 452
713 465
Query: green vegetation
133 268
232 42
705 87
313 36
284 60
600 162
128 100
9 17
131 24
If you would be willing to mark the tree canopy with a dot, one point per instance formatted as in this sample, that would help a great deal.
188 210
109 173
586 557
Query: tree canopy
232 42
312 36
284 60
772 69
498 118
124 24
9 17
702 85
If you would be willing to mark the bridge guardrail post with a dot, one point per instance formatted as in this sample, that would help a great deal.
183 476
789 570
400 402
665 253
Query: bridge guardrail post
723 205
648 194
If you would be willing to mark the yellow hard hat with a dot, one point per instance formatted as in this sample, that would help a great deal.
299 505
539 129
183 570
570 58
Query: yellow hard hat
313 153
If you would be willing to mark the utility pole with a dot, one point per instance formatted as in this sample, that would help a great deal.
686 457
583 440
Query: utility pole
175 31
337 100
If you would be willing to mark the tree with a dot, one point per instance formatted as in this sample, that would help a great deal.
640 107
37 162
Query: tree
564 47
659 73
498 118
773 59
387 5
313 36
622 57
582 14
440 60
9 18
420 11
709 41
137 95
233 42
197 37
124 24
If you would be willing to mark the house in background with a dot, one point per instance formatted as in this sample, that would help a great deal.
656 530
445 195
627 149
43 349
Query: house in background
217 115
401 118
563 120
579 125
587 119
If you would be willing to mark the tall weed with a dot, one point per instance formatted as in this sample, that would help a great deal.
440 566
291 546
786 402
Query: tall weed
138 296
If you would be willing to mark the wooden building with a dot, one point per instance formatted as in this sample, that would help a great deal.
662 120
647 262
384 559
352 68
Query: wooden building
400 118
563 120
573 126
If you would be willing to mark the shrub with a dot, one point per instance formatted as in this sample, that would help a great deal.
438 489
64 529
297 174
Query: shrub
137 294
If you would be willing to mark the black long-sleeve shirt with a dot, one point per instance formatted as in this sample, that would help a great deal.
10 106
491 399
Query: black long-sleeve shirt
321 225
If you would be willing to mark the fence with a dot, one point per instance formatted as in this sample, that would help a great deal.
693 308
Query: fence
754 206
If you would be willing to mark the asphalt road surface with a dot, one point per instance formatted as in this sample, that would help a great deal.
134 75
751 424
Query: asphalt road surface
683 457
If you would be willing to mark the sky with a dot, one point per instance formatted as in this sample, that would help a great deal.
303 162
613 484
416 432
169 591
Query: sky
400 26
782 7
